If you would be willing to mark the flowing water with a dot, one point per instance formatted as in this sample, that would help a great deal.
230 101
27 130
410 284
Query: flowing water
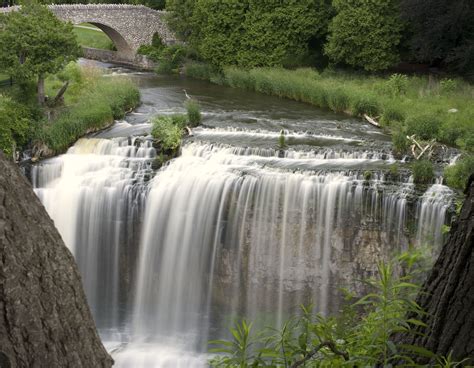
235 226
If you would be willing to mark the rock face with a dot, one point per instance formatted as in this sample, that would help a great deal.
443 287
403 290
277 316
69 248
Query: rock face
44 317
447 296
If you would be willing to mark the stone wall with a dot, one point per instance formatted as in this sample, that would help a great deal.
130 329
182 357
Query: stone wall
107 56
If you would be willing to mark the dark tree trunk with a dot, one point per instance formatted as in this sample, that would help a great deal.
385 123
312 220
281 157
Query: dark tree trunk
41 94
44 317
448 294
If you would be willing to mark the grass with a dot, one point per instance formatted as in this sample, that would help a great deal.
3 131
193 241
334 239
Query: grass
91 103
94 38
412 105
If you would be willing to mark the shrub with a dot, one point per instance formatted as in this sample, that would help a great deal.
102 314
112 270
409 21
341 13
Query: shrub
423 172
400 143
194 112
15 126
456 175
397 84
365 104
448 85
424 126
365 34
166 132
338 100
199 70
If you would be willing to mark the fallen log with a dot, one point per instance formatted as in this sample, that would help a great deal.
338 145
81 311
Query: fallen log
371 120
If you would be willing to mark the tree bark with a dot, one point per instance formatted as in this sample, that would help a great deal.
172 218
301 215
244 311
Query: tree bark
41 94
44 317
448 294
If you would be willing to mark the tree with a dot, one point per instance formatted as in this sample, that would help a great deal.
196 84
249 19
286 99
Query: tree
34 43
447 296
250 33
44 317
278 33
365 34
441 32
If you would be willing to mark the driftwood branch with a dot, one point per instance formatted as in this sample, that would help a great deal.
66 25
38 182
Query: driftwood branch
325 344
190 132
371 120
428 148
61 93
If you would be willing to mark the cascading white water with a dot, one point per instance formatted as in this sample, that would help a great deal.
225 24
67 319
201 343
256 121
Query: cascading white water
432 209
234 227
93 193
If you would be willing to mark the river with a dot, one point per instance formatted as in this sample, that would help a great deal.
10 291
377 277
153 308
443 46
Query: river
233 227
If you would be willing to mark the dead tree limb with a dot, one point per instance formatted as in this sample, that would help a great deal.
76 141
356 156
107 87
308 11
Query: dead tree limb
61 93
371 120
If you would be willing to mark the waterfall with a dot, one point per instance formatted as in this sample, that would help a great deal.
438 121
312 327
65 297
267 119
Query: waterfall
95 194
432 209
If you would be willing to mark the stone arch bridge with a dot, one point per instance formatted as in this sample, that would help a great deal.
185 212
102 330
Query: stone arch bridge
128 26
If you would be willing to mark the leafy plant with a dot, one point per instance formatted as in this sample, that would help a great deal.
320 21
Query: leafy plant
448 85
423 172
194 112
360 336
167 132
397 84
456 175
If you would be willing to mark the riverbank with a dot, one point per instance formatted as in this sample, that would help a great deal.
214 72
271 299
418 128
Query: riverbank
413 105
404 106
91 102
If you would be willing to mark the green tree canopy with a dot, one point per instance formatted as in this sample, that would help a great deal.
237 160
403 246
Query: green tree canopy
441 32
250 33
365 33
34 43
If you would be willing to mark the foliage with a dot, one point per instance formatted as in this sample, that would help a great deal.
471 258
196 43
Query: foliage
397 84
154 50
365 34
194 112
360 336
423 126
33 43
15 126
250 32
422 172
441 32
400 143
456 175
92 103
167 132
170 58
448 85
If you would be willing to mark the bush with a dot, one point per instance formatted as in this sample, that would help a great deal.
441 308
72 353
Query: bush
423 172
448 85
424 126
194 112
166 132
365 104
15 125
456 175
400 143
365 34
199 70
170 59
397 85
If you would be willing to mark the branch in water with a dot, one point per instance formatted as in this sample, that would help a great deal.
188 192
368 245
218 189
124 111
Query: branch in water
312 353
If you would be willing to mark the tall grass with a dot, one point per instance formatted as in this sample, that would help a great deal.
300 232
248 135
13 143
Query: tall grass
92 103
410 105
